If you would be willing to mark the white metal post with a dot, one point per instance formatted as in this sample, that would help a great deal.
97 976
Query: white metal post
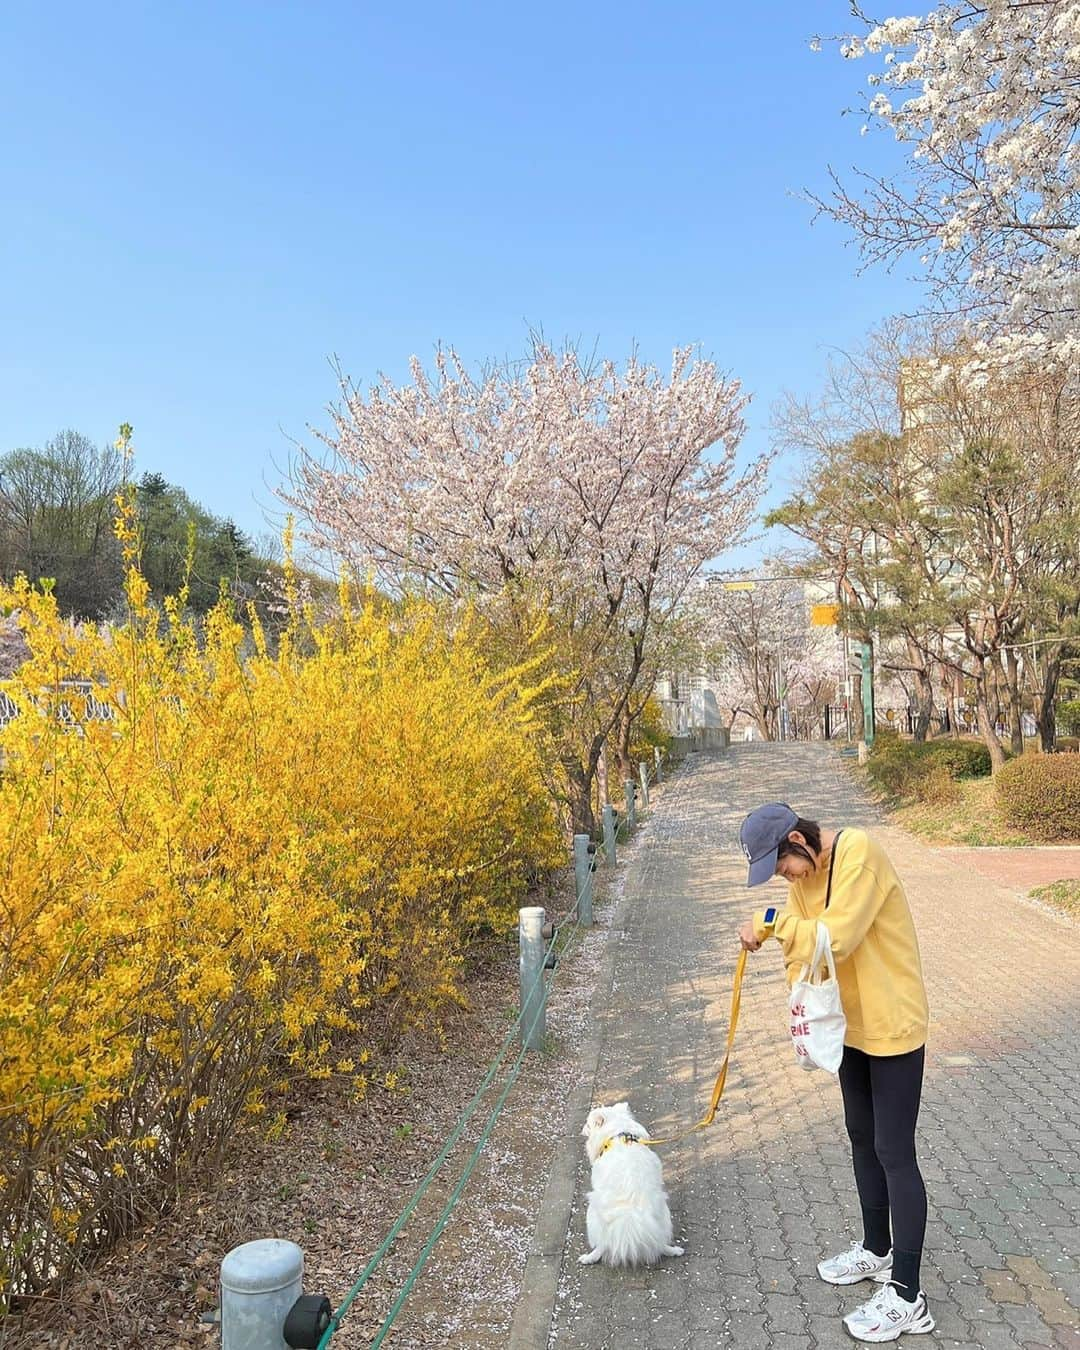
583 878
609 832
531 977
260 1282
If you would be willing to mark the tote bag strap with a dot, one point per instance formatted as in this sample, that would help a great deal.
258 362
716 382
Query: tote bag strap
811 972
823 943
823 947
823 955
832 859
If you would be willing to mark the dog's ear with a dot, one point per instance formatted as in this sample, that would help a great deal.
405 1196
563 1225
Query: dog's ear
621 1106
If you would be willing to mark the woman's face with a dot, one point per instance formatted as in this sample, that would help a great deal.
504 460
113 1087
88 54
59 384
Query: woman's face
792 866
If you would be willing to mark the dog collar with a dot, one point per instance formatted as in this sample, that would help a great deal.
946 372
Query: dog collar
625 1138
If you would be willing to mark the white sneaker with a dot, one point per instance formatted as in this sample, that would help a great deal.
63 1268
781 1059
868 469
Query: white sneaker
887 1316
854 1265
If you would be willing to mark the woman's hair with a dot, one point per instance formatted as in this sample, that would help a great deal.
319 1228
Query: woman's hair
811 832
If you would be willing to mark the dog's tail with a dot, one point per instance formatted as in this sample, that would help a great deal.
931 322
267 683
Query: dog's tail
636 1236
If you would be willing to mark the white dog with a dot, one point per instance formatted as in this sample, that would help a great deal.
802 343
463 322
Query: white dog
628 1220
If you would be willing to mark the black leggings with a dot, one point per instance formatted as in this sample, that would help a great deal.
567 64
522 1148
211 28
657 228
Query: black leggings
881 1105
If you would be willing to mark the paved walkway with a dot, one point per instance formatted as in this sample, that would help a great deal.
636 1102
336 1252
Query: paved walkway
762 1195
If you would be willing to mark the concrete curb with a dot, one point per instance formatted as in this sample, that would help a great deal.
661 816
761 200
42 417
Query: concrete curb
531 1327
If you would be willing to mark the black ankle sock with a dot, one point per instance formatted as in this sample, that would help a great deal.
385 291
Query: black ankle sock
905 1274
876 1230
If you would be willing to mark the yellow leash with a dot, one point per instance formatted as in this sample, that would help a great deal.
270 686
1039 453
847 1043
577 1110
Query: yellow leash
721 1077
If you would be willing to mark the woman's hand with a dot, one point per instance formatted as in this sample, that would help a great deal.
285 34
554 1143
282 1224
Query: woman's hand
747 936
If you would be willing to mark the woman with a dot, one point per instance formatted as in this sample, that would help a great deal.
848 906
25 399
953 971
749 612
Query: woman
843 879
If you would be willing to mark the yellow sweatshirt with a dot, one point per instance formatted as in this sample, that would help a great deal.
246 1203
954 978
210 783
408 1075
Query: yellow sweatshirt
873 943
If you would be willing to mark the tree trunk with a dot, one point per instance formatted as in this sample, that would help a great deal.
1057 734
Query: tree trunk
765 717
924 690
858 721
622 745
579 793
1044 712
925 713
986 723
1011 670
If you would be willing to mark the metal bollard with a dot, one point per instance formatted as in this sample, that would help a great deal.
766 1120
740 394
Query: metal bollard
584 850
631 805
260 1282
659 758
643 774
530 974
609 832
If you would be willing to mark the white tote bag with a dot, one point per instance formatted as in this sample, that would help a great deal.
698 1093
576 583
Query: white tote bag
817 1015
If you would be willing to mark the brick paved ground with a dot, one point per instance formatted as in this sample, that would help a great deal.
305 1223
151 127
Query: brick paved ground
759 1198
1020 868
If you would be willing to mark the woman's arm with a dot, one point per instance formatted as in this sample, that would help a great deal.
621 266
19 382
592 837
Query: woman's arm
856 900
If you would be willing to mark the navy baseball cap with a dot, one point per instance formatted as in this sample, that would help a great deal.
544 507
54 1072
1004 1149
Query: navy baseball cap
761 835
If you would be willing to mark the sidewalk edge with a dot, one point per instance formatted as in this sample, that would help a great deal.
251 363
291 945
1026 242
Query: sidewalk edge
531 1327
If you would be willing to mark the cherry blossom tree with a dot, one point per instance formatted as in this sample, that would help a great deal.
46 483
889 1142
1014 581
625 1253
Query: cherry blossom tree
760 652
985 97
576 490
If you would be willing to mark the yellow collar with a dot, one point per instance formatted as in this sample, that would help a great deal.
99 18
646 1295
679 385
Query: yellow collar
625 1138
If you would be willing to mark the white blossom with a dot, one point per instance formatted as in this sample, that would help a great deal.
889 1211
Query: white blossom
986 98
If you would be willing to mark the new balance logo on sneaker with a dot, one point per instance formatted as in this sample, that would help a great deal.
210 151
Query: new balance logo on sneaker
887 1316
854 1265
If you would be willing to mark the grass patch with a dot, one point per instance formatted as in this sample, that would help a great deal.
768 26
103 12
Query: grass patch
973 819
1063 895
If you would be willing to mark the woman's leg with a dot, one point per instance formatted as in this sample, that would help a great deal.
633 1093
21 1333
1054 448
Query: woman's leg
870 1180
896 1084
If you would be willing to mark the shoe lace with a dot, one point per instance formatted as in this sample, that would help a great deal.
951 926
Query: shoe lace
881 1300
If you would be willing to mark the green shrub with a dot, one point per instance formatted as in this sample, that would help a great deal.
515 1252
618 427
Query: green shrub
965 759
910 771
1041 794
1068 717
935 784
893 765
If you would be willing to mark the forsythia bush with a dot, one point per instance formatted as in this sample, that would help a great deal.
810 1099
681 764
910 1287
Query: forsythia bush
222 867
1041 794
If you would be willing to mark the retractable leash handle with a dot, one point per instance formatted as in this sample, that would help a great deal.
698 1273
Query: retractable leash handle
721 1077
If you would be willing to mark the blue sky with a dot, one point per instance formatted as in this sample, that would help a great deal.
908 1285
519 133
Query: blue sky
205 202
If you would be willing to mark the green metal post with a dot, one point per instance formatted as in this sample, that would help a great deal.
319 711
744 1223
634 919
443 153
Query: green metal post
867 652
